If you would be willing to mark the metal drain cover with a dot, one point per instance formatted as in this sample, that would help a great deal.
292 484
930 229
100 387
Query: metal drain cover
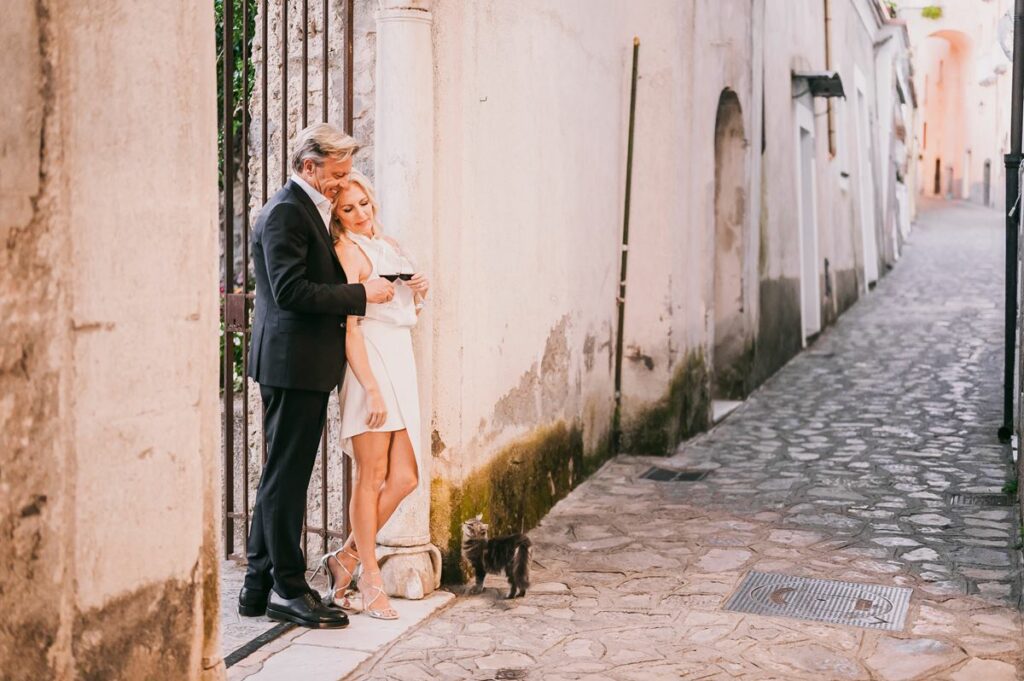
669 475
979 499
872 606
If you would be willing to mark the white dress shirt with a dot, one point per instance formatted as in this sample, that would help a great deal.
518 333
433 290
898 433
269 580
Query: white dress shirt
322 203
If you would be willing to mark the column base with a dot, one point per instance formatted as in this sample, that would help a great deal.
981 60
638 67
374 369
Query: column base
411 572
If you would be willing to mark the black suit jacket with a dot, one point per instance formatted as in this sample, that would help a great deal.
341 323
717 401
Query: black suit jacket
302 297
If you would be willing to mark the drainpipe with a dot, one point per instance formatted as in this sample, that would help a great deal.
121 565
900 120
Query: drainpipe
831 115
616 418
1013 161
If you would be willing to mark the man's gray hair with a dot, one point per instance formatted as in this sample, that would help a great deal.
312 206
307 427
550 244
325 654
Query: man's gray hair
319 141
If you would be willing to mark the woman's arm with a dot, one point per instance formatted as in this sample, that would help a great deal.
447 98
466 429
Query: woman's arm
356 269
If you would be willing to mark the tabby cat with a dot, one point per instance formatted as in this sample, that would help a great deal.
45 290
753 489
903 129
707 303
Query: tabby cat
510 554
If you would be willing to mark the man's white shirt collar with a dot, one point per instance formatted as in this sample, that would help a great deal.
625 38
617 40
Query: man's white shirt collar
322 203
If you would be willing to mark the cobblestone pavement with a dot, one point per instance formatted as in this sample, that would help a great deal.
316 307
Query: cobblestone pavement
839 467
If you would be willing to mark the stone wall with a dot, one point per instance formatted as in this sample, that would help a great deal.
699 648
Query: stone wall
108 368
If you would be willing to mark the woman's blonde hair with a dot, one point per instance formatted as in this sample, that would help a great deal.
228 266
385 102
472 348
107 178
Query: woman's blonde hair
357 178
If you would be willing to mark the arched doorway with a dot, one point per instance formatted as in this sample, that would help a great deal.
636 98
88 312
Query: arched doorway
729 350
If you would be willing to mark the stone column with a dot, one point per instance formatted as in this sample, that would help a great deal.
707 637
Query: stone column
404 170
109 408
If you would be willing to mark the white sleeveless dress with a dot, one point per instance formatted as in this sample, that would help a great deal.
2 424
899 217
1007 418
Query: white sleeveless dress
387 333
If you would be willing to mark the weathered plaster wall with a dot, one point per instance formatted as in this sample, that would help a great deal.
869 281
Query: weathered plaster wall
793 36
108 513
528 217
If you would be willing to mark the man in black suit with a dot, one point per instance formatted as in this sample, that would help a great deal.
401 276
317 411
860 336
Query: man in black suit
297 356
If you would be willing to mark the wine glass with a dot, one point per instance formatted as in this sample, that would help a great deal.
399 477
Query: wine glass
395 264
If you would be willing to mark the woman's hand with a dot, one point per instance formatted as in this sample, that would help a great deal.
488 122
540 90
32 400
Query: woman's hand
378 411
419 284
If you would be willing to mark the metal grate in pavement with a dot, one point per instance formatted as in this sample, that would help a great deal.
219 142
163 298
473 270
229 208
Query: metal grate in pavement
510 674
872 606
668 475
958 499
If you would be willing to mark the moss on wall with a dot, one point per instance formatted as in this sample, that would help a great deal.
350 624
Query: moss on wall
735 381
684 411
779 327
847 289
145 634
513 491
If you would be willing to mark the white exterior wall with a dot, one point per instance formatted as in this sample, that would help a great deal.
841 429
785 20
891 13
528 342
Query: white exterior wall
532 107
531 116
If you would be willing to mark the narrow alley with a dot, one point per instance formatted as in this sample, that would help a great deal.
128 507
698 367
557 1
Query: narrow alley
856 462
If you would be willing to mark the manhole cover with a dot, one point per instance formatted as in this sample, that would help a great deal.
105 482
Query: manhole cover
822 600
979 499
669 475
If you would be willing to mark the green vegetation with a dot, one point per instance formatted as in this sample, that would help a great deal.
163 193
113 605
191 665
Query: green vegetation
239 109
931 12
1010 487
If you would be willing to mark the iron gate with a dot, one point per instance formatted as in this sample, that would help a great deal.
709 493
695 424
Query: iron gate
238 20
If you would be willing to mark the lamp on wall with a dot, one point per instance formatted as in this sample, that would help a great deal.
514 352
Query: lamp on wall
821 83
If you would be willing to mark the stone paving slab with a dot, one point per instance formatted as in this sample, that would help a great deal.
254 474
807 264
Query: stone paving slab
331 654
839 468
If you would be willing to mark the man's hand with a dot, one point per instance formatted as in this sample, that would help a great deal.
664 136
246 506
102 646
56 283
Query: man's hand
379 290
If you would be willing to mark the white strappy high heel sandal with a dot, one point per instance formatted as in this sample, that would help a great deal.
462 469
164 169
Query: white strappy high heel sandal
370 593
331 599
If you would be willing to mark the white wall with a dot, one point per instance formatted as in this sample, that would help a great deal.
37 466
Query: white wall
531 116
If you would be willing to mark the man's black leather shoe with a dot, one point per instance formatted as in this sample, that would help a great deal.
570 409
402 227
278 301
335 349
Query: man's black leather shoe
306 611
251 603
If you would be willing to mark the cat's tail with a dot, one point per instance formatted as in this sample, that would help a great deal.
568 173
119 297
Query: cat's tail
521 562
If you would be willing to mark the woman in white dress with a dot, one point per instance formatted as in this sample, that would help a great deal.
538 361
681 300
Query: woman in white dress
380 411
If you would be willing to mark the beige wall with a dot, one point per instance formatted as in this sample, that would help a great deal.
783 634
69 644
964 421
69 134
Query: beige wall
109 366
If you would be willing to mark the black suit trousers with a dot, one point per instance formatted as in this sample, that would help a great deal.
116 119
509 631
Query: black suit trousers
293 422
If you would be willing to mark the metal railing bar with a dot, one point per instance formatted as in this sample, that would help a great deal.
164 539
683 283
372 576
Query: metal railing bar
245 269
305 63
325 66
284 92
228 180
349 64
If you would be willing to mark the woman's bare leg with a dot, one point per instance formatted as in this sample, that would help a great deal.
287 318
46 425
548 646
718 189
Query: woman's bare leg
371 455
402 479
